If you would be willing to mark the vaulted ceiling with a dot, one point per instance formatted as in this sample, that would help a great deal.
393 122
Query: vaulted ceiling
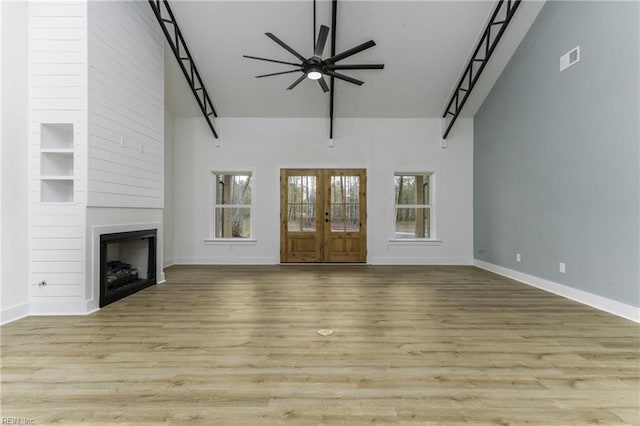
423 44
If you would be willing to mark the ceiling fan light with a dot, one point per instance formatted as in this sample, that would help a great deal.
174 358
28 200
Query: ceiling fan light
314 75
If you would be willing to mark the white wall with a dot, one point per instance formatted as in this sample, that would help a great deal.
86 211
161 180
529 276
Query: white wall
98 65
57 94
1 117
168 189
13 168
382 146
126 105
126 128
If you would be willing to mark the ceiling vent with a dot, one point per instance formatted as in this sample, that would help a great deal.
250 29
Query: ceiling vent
570 58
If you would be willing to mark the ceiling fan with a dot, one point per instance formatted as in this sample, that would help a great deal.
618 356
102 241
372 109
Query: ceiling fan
315 67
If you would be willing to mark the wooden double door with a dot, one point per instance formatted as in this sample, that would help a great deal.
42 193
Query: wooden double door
323 215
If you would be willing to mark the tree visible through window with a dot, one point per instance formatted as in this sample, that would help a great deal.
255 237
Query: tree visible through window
345 203
413 206
232 206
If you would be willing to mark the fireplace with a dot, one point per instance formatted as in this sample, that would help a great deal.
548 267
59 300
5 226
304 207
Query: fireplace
127 263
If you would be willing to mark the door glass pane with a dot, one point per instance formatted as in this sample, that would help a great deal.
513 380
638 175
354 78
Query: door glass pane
413 223
233 222
308 217
352 217
302 189
337 189
308 189
345 199
338 218
352 187
301 193
294 189
294 218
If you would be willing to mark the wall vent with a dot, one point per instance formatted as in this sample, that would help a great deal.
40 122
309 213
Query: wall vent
570 58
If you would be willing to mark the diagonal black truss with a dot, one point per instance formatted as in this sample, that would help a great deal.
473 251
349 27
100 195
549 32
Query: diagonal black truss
483 51
179 47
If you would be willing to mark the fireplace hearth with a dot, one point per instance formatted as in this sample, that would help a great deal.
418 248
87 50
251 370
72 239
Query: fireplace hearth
127 264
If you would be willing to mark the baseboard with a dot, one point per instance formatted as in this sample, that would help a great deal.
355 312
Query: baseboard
65 308
226 260
92 306
421 261
14 313
167 262
601 303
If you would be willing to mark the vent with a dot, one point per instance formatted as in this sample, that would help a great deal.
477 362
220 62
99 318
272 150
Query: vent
570 58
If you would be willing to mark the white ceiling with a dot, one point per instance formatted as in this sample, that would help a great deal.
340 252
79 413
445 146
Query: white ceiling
423 44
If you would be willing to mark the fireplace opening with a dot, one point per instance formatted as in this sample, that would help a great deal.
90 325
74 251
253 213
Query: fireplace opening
127 263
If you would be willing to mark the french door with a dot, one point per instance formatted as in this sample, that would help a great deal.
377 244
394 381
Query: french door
323 215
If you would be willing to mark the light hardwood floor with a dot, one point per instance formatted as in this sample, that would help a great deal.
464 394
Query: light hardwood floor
412 345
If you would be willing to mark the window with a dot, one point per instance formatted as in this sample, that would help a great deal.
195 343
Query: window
232 206
414 213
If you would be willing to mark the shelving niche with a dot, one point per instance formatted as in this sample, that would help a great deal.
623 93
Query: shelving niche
56 163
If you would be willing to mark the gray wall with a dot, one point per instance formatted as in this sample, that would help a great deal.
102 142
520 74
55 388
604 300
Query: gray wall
556 161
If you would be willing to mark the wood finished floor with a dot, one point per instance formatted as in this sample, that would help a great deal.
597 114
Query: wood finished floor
412 345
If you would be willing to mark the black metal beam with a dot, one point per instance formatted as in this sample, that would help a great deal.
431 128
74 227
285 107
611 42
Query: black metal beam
480 56
178 45
332 88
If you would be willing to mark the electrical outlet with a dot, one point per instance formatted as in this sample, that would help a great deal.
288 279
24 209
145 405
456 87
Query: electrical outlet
563 268
518 257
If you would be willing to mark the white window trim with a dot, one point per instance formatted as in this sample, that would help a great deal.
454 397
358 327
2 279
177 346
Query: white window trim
432 205
212 240
414 242
231 242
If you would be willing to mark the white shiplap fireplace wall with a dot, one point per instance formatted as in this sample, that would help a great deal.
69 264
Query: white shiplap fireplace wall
98 69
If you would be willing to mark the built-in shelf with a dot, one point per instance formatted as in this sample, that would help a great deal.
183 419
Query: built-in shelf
56 177
57 150
56 136
56 190
56 163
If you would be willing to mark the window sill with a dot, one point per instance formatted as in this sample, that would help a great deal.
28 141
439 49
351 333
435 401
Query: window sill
231 242
414 242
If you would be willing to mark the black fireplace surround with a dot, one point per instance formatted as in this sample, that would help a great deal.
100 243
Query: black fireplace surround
127 263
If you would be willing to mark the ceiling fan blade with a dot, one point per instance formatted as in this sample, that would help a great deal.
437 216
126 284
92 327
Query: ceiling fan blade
271 60
345 78
286 46
350 52
356 67
322 40
323 84
278 73
298 81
